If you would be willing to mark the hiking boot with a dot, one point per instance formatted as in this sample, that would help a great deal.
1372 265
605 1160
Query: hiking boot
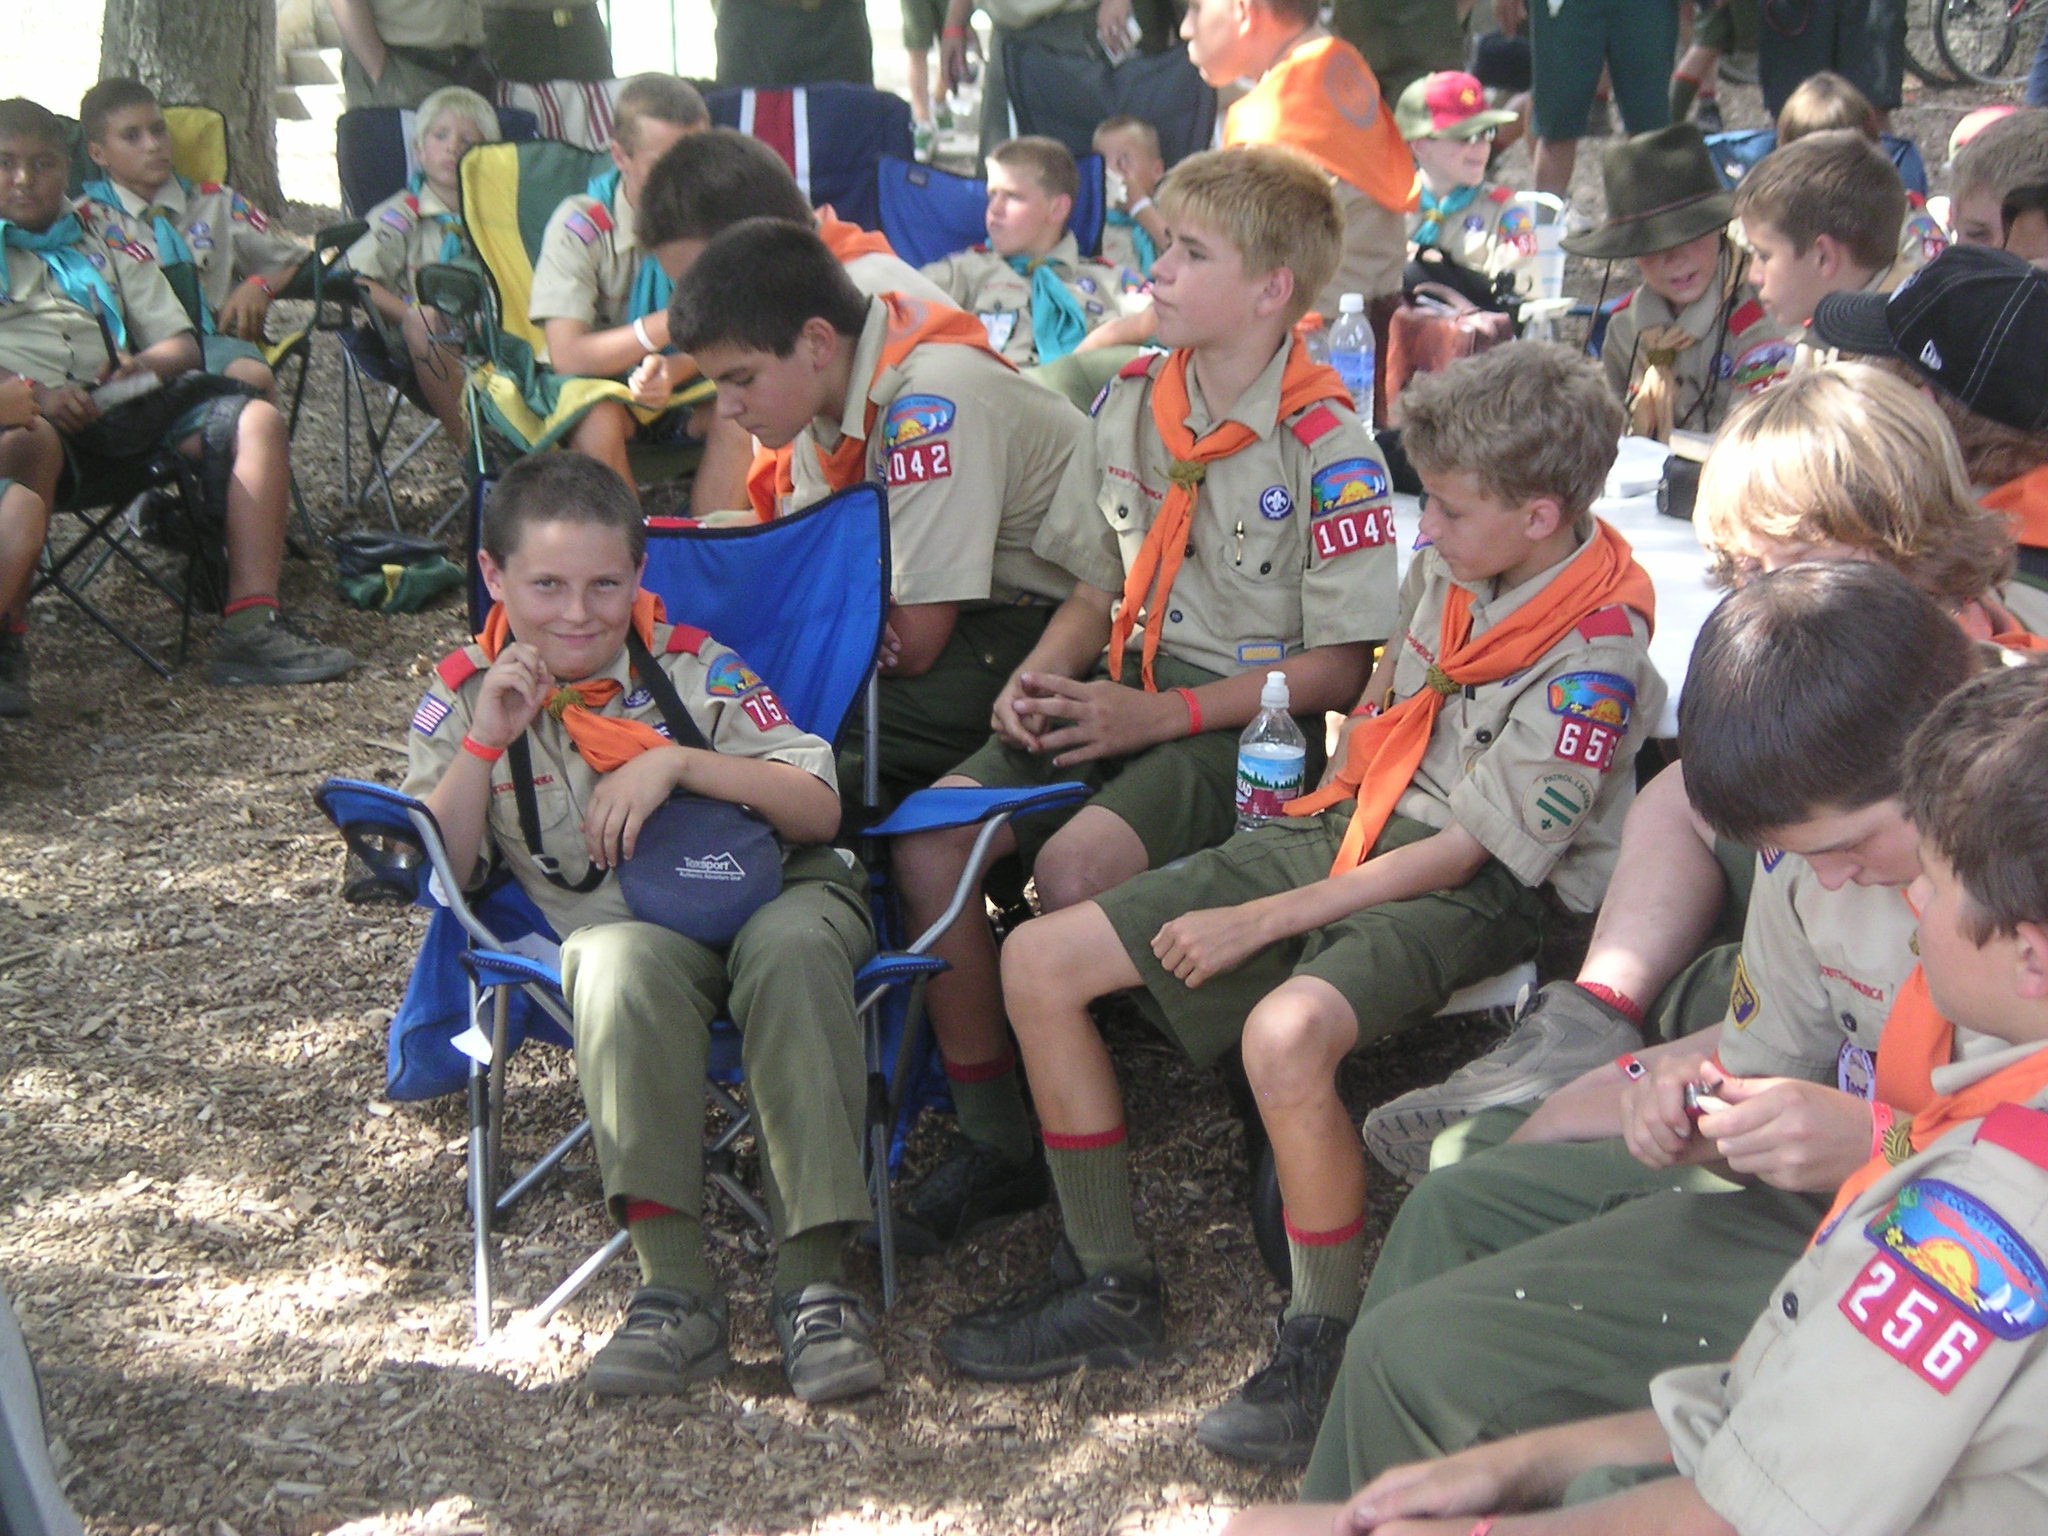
1113 1320
1561 1032
272 654
1707 113
973 1189
14 692
826 1351
668 1340
1274 1416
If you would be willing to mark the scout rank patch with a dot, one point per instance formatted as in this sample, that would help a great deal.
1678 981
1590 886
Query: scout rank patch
1743 999
1349 507
911 457
1949 1276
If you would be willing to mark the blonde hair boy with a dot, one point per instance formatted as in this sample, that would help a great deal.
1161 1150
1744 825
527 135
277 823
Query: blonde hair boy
1273 204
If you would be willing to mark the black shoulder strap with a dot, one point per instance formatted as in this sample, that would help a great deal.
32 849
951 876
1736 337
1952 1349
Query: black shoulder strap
682 730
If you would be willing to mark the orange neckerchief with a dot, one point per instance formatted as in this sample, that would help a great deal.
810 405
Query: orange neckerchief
1323 100
1302 384
912 324
847 241
1385 751
605 742
1915 1041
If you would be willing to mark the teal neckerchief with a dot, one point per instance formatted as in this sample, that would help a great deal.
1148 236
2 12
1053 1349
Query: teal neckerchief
171 248
1057 324
454 242
1141 241
81 281
1436 209
651 287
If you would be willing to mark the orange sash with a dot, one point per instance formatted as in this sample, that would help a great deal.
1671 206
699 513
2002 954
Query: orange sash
912 323
1385 751
1916 1040
1302 384
1323 100
847 241
2025 502
604 741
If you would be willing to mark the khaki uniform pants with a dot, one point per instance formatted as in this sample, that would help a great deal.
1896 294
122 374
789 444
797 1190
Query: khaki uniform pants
643 998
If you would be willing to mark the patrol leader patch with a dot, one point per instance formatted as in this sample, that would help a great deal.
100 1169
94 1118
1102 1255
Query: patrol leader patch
729 677
1598 696
428 717
1555 804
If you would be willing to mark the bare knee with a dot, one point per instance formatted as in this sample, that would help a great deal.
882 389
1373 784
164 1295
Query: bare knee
260 427
1293 1041
1049 962
1095 852
247 370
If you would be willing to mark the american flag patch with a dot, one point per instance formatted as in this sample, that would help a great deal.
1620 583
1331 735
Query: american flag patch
428 717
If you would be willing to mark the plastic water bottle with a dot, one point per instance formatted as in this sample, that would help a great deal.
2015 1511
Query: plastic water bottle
1351 353
1272 758
1315 341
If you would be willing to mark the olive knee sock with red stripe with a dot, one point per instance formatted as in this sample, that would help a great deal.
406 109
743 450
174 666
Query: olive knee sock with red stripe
1093 1177
989 1099
1329 1270
248 613
669 1246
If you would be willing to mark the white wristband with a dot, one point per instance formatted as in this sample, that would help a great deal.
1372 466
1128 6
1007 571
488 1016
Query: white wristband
640 335
1140 206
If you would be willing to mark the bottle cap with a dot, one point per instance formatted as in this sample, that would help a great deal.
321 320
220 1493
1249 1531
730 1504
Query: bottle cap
1351 304
1274 694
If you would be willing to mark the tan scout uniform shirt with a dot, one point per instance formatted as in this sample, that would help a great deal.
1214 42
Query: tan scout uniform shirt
404 235
878 272
1896 1382
1375 249
736 711
981 281
1716 373
47 337
589 255
1292 543
1491 234
971 453
1539 766
429 23
229 239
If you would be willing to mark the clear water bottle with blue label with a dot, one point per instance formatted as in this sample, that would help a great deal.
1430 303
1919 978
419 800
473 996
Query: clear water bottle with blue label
1351 353
1272 758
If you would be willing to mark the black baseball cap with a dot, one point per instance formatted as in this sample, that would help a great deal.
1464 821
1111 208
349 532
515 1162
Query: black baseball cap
1973 322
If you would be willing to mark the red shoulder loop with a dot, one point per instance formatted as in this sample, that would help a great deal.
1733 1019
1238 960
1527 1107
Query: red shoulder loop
1914 199
457 668
1603 622
686 639
1313 425
1499 194
601 216
211 187
1745 316
2017 1129
1137 368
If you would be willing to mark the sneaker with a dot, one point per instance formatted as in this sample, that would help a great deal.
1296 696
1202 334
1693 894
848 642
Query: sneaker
1274 1416
272 654
1707 113
826 1351
973 1189
1113 1320
1562 1032
14 692
668 1340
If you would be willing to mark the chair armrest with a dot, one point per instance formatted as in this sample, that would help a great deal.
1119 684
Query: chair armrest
936 810
500 968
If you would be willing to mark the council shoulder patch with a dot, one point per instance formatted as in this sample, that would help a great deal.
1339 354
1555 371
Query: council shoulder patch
1555 804
1347 483
1965 1254
1605 697
1743 1000
1762 363
912 417
728 677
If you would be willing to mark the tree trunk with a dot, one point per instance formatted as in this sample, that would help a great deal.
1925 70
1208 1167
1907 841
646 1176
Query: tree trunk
213 53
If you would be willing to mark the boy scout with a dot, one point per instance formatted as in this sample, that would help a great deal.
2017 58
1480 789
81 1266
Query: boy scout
418 227
905 395
84 306
1037 296
1555 1278
601 299
1237 467
1910 1323
1515 698
1450 129
1686 345
557 669
242 264
1132 230
1822 216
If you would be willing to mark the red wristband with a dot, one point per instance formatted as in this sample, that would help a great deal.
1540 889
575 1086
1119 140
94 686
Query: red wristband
1880 1122
1486 1523
1194 710
480 752
1631 1069
952 31
260 281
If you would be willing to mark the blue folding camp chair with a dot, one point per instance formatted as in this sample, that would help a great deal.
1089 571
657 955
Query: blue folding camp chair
831 136
928 213
1736 153
803 599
